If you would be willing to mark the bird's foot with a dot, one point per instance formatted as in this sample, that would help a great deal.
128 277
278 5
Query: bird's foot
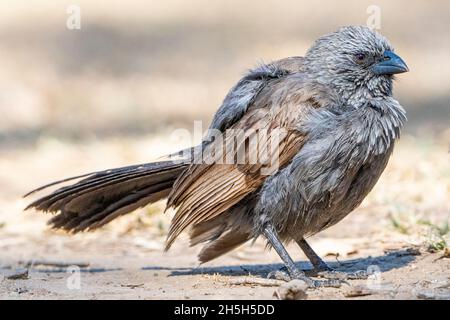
331 274
283 274
280 274
340 275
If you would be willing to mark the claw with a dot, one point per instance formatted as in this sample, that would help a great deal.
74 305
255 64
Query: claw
283 274
334 283
280 274
358 275
334 279
339 275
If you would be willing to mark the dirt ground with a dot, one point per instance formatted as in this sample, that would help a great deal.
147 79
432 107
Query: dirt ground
396 232
124 266
113 94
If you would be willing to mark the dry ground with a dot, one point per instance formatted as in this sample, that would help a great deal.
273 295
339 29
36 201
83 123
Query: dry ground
393 230
111 94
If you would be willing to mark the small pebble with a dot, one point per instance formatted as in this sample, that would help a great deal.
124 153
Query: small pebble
292 290
358 291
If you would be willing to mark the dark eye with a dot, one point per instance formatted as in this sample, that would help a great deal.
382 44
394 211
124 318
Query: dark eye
360 57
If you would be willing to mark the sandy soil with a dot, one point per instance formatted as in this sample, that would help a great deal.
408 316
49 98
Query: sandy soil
112 94
391 232
131 265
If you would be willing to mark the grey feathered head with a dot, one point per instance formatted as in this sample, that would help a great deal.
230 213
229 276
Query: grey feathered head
355 58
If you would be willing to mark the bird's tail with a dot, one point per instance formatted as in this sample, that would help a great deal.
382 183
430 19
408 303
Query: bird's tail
103 196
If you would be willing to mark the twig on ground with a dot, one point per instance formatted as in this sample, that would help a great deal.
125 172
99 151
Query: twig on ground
446 254
18 275
256 281
132 286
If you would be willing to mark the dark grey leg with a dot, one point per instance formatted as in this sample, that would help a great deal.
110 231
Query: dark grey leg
323 270
272 237
295 273
318 264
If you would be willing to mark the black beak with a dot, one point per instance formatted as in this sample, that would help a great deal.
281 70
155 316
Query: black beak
391 64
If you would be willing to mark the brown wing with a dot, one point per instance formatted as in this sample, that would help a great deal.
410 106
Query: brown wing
210 188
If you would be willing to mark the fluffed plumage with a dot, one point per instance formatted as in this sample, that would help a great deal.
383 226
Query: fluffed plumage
338 123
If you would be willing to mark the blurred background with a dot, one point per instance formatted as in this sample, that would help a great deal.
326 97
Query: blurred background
111 93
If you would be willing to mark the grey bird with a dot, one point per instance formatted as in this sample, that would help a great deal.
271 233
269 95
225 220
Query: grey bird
339 120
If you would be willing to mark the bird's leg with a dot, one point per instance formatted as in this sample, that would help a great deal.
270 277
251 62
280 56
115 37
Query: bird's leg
295 273
317 262
321 269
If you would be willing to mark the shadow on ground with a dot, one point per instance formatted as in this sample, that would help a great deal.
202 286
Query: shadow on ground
392 260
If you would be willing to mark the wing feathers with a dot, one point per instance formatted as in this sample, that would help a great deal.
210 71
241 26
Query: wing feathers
206 191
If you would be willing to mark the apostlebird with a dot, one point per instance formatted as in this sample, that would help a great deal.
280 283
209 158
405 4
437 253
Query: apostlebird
334 121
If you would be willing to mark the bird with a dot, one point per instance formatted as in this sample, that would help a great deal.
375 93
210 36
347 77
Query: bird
305 138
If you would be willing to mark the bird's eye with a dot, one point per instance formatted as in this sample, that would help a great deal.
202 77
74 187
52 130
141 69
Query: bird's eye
360 57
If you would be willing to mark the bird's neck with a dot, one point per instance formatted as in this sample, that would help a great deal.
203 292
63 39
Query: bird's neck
357 93
383 119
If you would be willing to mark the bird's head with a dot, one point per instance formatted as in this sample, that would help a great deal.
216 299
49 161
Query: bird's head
355 60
